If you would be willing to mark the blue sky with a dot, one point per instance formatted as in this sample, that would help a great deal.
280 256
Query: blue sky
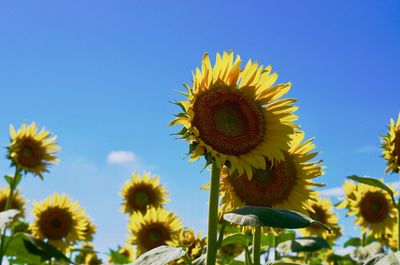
100 75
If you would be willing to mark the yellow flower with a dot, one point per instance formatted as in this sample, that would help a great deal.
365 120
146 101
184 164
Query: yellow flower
59 220
391 147
17 203
86 248
140 193
32 151
322 212
236 117
194 244
154 228
283 185
349 187
90 229
373 210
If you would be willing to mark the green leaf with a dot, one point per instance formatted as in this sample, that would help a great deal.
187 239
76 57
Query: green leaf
303 244
375 183
6 217
160 256
21 255
264 216
118 258
354 241
41 248
239 239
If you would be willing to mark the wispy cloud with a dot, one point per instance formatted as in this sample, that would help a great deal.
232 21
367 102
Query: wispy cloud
121 157
333 192
367 149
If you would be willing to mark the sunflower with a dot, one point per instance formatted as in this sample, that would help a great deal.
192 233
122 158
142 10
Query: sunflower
194 243
283 185
84 250
59 220
234 117
32 151
322 212
373 210
391 146
349 187
154 228
17 203
90 229
140 193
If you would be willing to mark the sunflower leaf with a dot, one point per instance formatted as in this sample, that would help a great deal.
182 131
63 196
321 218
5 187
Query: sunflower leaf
354 241
160 256
264 216
303 244
238 238
375 183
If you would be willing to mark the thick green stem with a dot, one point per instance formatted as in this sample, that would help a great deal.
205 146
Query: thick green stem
275 243
213 215
257 245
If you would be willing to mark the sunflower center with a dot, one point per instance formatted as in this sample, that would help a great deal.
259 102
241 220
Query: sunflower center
374 207
140 197
228 120
29 154
319 215
154 236
267 187
55 223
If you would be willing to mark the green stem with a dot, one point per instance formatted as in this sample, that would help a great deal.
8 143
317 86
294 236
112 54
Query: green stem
213 215
275 244
13 186
221 235
257 245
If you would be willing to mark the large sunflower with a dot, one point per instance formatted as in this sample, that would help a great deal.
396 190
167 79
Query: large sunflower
59 220
140 193
391 146
32 151
154 228
373 209
322 211
235 117
17 203
284 185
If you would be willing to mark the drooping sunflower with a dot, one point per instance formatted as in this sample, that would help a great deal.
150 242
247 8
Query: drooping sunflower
142 192
373 210
349 187
154 228
60 221
235 116
284 185
17 203
322 211
391 146
32 151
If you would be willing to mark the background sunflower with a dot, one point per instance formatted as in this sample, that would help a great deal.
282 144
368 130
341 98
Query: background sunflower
391 146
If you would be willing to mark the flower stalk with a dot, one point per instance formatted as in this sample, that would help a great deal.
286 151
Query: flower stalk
257 245
213 215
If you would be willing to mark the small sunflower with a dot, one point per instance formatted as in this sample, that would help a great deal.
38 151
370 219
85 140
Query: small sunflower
90 229
17 203
32 151
283 185
391 146
142 192
154 228
194 243
236 117
59 220
373 210
85 249
349 187
322 212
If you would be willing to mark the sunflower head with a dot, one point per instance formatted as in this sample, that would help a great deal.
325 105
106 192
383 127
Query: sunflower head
284 185
391 146
32 151
349 187
321 210
90 229
85 249
235 116
154 228
194 243
142 192
17 203
373 210
60 221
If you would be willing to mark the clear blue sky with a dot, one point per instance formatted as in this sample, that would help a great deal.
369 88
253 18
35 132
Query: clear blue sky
99 74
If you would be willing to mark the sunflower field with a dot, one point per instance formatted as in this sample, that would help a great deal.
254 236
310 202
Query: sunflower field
264 206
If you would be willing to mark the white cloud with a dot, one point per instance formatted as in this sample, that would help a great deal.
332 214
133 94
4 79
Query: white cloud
334 192
121 157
